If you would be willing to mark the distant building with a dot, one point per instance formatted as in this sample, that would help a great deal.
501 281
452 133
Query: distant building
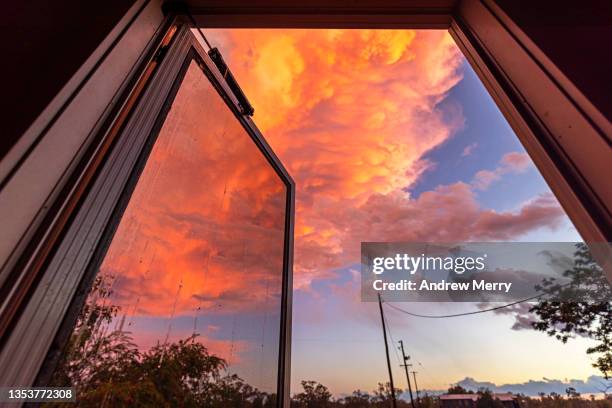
469 400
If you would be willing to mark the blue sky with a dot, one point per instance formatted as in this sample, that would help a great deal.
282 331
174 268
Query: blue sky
489 136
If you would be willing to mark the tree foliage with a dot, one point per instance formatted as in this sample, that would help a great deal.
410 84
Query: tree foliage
313 395
106 368
457 389
590 317
487 400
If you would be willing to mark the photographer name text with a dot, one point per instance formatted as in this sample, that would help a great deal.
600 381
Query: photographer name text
424 285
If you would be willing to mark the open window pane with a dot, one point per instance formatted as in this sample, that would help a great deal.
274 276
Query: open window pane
189 292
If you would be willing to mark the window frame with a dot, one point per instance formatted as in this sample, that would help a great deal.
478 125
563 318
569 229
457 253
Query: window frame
500 53
37 340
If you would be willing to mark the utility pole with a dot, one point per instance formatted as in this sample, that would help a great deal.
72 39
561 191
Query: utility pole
416 387
382 318
405 365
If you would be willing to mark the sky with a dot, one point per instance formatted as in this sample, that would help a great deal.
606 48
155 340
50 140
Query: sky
389 136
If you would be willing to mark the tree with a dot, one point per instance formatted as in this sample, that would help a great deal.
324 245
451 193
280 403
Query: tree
428 401
315 395
357 399
591 317
572 393
487 400
382 395
108 369
457 389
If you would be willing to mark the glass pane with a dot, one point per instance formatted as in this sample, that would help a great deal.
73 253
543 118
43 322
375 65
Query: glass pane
186 304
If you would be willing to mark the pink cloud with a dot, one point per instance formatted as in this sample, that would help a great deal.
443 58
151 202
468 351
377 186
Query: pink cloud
516 161
543 211
484 178
448 213
469 149
510 163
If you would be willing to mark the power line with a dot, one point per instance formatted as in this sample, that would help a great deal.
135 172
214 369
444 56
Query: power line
466 313
392 340
476 311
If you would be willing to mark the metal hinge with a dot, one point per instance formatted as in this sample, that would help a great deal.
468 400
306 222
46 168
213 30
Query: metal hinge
245 106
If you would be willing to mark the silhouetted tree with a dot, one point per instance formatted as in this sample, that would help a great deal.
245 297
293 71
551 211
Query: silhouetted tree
487 400
357 399
457 389
591 317
107 369
428 401
382 395
572 393
315 395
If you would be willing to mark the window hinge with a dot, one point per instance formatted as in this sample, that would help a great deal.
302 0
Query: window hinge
245 106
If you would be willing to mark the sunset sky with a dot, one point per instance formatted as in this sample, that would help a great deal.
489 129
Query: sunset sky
390 136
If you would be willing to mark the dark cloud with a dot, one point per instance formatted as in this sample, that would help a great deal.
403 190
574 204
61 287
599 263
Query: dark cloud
593 385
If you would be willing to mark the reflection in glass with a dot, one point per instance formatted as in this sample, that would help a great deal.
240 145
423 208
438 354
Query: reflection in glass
186 304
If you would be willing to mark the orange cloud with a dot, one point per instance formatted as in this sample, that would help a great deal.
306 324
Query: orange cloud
351 113
348 111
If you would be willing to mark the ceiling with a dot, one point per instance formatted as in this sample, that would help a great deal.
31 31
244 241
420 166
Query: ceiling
322 13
